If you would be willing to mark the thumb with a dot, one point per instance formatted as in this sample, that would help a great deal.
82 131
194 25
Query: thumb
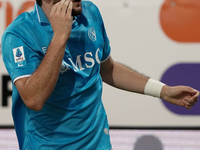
189 90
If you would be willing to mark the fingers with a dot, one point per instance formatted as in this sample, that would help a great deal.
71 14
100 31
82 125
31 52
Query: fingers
188 107
65 6
69 10
194 98
196 95
184 96
62 6
190 90
190 101
61 19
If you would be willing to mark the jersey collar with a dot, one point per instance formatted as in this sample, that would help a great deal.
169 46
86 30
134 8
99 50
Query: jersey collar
42 19
41 15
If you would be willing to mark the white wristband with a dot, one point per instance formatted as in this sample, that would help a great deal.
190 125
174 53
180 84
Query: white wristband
153 88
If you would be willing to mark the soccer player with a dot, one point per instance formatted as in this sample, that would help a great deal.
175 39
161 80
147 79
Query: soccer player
57 57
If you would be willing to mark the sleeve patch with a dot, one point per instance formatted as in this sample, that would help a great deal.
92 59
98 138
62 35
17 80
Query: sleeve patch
19 56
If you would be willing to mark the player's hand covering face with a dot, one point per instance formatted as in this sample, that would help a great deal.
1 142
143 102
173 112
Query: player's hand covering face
77 8
61 20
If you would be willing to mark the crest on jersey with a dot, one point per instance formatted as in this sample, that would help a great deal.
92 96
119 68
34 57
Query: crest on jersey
19 56
64 67
92 34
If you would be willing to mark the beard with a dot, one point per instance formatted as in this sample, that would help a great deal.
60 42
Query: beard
76 12
56 1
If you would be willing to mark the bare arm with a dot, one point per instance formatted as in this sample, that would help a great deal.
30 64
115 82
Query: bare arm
121 77
36 89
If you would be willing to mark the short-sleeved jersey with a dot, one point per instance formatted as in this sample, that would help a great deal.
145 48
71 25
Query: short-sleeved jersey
73 117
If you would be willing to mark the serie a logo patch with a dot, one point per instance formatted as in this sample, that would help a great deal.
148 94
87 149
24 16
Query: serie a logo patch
19 56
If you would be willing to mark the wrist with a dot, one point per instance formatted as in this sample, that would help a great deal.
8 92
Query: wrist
164 92
153 88
59 41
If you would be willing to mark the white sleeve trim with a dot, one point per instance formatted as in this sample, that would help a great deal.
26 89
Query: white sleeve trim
106 58
20 77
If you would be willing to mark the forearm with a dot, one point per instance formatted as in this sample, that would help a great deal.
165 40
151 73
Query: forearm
37 88
124 78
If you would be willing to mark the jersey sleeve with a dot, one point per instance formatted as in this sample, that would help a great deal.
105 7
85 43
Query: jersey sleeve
19 59
106 48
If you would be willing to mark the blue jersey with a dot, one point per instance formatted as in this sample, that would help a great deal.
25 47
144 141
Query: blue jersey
73 118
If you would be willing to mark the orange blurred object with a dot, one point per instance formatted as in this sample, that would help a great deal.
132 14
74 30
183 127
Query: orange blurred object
180 20
27 5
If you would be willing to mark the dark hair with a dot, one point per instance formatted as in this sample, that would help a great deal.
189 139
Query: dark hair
39 2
